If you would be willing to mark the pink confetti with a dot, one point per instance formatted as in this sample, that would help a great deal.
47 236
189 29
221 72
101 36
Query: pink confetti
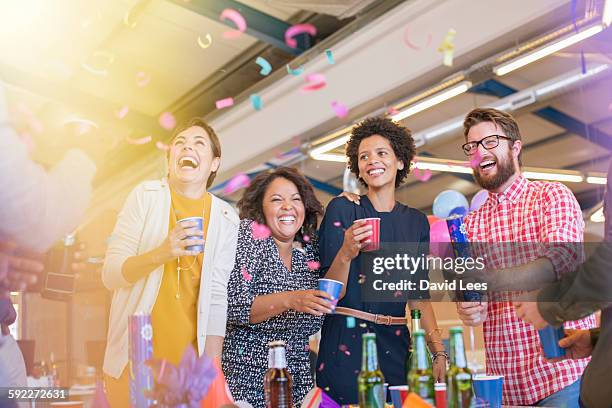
123 112
410 44
340 110
337 224
306 238
260 231
298 29
475 159
392 111
237 19
224 103
342 347
397 293
423 177
141 141
142 79
307 348
321 367
237 182
167 121
246 275
162 146
314 82
348 353
313 265
398 332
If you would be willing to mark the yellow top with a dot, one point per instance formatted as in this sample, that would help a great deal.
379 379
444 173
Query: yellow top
174 316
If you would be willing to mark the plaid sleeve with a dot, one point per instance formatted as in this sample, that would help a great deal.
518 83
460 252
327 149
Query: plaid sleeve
562 232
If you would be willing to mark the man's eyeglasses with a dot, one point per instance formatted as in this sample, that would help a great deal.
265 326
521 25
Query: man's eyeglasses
489 142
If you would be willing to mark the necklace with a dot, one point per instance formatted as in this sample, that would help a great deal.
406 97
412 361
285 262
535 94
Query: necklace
177 295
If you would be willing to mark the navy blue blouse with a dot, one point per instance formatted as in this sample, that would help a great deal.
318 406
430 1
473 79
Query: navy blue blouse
340 347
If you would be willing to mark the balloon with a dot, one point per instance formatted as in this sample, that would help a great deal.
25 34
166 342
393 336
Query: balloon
432 219
447 201
439 239
462 211
349 182
479 199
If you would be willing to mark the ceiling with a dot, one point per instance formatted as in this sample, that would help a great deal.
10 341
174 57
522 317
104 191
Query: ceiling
93 59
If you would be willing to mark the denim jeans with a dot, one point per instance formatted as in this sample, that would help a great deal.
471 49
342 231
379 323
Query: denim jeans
565 398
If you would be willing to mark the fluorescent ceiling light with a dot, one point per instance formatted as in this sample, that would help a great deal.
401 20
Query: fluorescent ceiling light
433 100
598 216
543 90
607 13
326 147
329 157
539 175
542 52
449 167
596 180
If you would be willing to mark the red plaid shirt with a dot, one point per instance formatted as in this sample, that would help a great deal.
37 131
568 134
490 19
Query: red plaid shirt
537 212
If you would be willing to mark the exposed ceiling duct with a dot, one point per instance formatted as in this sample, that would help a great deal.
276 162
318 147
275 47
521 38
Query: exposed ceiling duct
339 8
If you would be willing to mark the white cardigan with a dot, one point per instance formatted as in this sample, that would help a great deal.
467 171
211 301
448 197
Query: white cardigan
142 226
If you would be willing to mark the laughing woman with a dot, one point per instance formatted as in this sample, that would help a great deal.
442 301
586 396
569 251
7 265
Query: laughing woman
272 289
379 154
150 269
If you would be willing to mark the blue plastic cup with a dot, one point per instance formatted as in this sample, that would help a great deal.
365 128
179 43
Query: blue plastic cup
549 337
489 388
333 287
200 221
399 393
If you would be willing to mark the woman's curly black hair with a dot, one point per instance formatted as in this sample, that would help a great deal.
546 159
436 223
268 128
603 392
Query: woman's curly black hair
251 203
399 136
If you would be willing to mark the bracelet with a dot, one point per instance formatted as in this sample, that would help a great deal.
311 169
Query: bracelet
440 353
439 331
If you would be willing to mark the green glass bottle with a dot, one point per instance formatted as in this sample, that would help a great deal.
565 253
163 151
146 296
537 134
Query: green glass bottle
458 376
415 319
421 379
370 381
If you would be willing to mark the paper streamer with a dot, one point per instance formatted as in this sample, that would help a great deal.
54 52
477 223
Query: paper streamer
237 182
410 44
141 141
167 121
424 176
224 103
256 102
296 30
101 61
142 79
237 19
330 56
314 82
206 44
339 109
447 48
266 68
295 72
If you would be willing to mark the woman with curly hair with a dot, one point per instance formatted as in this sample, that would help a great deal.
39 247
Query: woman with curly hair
379 153
272 289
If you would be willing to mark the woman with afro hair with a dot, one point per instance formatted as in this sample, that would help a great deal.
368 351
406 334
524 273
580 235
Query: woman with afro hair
379 153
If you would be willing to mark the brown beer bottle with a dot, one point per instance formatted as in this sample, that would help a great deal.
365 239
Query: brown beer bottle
277 380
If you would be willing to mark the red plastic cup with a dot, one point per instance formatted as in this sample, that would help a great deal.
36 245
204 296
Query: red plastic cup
375 237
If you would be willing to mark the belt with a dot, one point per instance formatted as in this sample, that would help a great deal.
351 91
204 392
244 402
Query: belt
370 317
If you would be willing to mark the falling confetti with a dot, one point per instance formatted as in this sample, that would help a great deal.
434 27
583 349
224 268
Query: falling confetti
260 231
224 103
397 293
392 111
296 30
83 125
362 279
246 275
337 224
339 109
123 112
314 82
162 146
141 141
410 44
237 19
142 79
295 72
475 159
307 348
266 68
321 367
330 56
313 265
363 325
256 102
208 43
447 48
342 347
398 332
424 176
167 121
306 238
350 322
237 182
98 63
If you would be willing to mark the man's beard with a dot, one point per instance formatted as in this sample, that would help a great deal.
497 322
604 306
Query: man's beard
505 170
